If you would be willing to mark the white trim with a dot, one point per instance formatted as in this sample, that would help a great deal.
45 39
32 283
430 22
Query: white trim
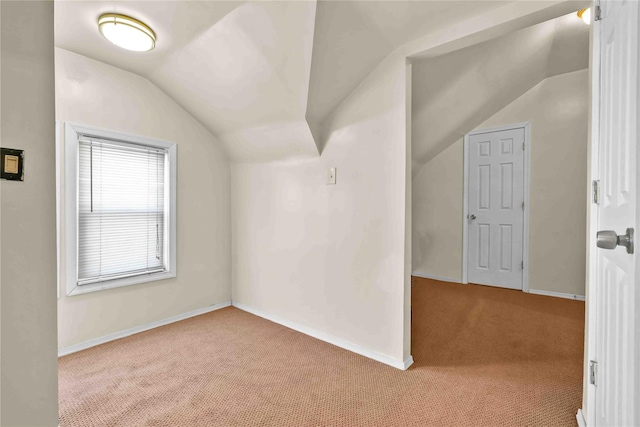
322 336
58 205
589 392
71 208
557 294
527 187
407 362
465 210
137 329
408 222
527 182
580 419
499 129
434 277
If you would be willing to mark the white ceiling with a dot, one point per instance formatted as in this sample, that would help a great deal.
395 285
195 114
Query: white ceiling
257 74
352 37
237 67
175 23
254 72
455 92
249 70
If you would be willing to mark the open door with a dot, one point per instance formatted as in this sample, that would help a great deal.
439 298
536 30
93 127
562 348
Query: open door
613 388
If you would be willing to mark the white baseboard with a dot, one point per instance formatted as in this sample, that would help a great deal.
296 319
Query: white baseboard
408 362
101 340
396 363
433 277
557 294
580 419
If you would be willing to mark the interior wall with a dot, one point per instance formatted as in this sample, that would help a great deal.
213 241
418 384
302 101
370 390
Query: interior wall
93 93
437 216
29 385
333 259
330 258
557 109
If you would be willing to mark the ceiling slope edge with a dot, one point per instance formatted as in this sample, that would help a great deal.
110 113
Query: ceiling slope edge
247 79
67 54
482 27
460 90
271 142
241 69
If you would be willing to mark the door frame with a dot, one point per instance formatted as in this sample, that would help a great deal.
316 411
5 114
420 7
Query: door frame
593 174
465 199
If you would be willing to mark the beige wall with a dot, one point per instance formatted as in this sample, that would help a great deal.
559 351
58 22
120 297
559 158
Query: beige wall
331 257
437 216
29 385
557 109
93 93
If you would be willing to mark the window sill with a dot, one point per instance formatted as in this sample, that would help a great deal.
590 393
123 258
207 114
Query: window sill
118 283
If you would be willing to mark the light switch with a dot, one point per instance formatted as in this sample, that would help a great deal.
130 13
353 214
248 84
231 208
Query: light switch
11 164
331 176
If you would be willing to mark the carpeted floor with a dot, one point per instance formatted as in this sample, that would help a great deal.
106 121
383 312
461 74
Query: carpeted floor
483 356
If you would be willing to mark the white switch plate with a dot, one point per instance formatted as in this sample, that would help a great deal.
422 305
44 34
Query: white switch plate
331 176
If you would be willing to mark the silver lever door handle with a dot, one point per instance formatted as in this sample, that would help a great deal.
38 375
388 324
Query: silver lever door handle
471 217
609 239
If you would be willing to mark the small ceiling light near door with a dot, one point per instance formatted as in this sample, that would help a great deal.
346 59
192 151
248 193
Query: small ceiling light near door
585 15
126 32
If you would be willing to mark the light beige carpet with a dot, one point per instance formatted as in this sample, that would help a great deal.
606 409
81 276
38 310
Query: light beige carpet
483 356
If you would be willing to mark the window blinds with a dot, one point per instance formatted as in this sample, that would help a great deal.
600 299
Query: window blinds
121 209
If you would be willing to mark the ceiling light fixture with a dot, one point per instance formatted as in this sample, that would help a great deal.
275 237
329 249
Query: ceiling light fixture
126 32
585 15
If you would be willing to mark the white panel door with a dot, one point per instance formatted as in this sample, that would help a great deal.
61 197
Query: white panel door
495 208
617 292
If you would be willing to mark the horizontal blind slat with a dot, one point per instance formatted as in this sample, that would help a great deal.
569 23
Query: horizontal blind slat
121 210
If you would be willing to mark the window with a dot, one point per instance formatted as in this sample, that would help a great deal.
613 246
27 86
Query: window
120 201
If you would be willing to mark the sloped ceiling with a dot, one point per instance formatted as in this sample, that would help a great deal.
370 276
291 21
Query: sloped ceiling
242 69
455 92
175 23
352 37
257 74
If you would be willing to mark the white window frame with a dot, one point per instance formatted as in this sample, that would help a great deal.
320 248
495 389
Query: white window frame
71 155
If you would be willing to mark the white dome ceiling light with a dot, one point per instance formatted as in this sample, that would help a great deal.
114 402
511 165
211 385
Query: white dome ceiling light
127 32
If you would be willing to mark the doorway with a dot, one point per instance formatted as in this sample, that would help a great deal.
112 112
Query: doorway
487 92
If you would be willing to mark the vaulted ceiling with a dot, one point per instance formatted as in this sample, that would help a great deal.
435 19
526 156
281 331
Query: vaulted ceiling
455 92
261 76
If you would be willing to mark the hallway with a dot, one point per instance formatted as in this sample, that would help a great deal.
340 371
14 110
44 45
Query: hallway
516 358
